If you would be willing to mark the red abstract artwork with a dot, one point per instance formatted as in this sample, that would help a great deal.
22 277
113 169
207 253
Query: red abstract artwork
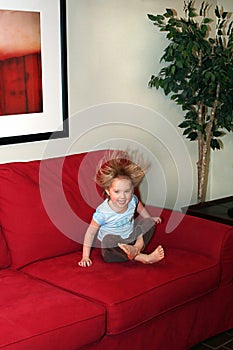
20 63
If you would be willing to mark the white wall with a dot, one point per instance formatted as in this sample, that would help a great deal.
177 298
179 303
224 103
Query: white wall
112 51
221 182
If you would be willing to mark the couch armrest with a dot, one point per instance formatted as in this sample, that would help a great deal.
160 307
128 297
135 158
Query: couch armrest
205 237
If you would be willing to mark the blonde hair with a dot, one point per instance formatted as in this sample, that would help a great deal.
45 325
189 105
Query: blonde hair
121 164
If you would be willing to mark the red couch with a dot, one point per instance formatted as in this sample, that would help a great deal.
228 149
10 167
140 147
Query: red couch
48 302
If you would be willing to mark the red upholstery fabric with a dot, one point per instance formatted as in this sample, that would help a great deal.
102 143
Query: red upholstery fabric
179 328
45 209
29 232
4 253
47 205
196 234
133 293
35 316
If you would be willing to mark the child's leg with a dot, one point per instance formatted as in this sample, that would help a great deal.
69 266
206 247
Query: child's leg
146 229
110 250
155 256
142 234
133 254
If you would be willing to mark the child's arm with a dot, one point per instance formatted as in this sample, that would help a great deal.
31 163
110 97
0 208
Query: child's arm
88 240
144 213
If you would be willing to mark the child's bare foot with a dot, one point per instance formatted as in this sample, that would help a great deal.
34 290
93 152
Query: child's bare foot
155 256
131 250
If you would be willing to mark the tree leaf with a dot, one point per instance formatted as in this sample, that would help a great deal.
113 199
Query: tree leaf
187 131
215 144
184 124
224 15
169 12
192 136
152 17
217 12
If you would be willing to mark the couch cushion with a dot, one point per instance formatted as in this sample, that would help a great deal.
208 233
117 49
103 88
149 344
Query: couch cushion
34 315
4 253
132 292
45 206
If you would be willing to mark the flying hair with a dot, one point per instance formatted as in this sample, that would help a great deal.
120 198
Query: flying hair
121 164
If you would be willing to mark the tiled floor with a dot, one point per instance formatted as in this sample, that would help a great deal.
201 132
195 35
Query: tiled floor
223 341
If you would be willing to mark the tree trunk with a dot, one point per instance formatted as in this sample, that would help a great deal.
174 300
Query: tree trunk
204 149
203 172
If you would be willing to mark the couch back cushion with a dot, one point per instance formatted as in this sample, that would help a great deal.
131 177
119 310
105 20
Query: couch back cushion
4 253
45 206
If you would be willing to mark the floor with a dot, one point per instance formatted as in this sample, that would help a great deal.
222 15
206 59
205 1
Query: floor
223 341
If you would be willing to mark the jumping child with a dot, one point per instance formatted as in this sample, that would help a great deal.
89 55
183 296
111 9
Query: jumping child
121 237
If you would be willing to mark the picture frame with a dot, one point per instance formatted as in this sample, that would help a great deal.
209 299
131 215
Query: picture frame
50 119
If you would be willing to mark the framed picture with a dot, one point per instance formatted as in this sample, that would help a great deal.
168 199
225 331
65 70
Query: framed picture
33 71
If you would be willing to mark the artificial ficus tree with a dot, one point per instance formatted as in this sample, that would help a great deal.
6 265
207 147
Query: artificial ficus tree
198 75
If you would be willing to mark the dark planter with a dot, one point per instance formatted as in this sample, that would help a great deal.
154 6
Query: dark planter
220 210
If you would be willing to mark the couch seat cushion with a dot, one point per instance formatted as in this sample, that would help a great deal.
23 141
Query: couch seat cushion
35 315
132 292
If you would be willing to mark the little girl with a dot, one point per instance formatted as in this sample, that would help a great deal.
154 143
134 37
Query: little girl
121 237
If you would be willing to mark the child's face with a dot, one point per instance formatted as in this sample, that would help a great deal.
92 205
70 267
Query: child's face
120 193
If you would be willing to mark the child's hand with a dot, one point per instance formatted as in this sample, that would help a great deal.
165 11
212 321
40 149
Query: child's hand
85 262
157 219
